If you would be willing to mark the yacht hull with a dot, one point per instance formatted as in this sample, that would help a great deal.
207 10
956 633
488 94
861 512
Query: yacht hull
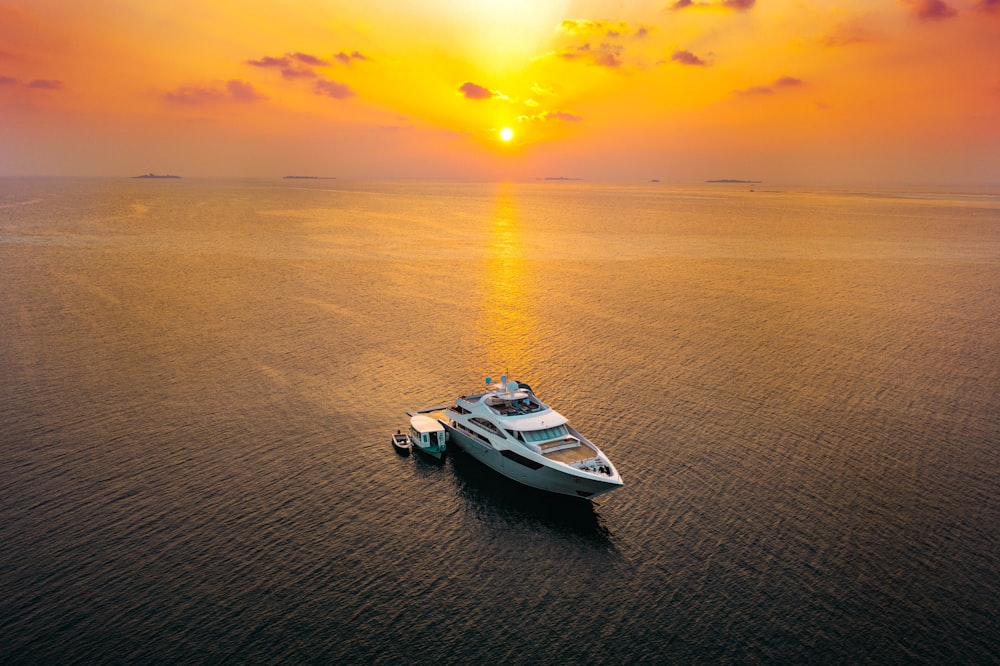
529 472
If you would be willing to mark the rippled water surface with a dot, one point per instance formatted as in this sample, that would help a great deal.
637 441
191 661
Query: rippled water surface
199 379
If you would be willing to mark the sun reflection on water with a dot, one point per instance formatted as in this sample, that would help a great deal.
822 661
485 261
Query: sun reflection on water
506 324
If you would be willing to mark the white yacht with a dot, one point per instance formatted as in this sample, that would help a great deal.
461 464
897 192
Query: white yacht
510 430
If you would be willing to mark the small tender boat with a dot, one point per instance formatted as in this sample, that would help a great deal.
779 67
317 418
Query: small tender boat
428 435
401 442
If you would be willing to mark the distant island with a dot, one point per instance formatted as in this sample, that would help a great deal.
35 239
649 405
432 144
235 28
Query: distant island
153 175
734 180
309 178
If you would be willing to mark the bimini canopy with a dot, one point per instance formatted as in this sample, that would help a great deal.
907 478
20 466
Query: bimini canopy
422 423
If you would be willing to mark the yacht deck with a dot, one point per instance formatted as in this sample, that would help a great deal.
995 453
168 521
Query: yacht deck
572 455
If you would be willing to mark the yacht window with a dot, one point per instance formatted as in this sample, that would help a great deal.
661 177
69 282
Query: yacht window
486 425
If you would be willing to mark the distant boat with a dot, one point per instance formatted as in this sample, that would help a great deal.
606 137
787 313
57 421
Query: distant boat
153 175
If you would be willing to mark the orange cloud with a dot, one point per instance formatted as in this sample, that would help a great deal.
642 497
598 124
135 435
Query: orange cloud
602 55
560 116
601 28
598 42
738 5
563 116
890 85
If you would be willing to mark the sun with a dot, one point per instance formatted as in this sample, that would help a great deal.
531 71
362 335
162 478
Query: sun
506 134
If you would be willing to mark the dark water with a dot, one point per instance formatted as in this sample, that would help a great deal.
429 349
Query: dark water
199 379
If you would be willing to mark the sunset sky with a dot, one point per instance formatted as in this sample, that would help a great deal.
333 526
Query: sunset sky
791 91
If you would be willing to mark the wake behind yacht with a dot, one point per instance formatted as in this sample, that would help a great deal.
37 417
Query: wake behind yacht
510 430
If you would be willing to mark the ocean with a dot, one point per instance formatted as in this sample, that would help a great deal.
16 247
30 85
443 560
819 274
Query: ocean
198 381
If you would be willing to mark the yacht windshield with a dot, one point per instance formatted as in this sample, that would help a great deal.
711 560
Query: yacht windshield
545 434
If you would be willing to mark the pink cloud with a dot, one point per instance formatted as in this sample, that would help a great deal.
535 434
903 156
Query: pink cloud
286 61
231 91
783 82
241 91
333 89
298 65
847 33
988 6
788 82
756 90
308 59
563 116
930 10
194 95
293 73
473 91
37 84
44 84
270 61
687 58
348 58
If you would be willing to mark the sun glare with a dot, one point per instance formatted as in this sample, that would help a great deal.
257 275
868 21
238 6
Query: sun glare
506 134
